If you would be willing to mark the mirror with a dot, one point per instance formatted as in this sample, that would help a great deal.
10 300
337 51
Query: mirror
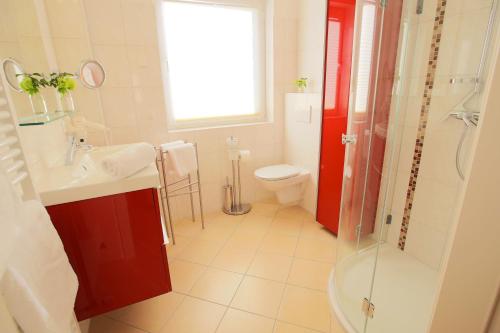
92 74
12 69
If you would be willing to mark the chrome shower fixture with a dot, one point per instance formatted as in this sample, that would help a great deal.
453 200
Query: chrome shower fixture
470 118
420 7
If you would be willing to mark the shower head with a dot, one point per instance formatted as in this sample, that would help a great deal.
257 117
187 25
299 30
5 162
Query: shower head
420 7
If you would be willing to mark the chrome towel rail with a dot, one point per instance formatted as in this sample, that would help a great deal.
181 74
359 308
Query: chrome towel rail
171 190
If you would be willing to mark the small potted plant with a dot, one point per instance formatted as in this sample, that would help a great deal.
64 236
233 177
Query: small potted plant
301 84
64 83
31 84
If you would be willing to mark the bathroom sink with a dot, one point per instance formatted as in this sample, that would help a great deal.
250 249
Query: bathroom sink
86 179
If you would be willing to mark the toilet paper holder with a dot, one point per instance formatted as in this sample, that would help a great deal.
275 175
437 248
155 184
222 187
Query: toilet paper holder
232 193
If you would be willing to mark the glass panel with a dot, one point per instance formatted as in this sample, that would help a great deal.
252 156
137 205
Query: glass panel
420 182
355 263
42 119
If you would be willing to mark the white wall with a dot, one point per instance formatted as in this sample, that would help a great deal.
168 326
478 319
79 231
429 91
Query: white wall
472 278
302 136
302 139
311 42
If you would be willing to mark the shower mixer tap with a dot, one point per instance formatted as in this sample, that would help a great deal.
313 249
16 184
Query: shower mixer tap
470 118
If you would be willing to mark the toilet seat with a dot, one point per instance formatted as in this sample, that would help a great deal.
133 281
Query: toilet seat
277 172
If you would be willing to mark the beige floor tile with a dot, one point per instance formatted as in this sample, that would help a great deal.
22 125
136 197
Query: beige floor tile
236 321
259 296
270 266
200 251
149 315
310 274
181 242
215 232
316 249
221 219
217 286
187 228
276 243
246 239
106 325
264 209
195 316
255 225
281 327
184 275
286 226
257 221
234 259
316 231
294 213
305 308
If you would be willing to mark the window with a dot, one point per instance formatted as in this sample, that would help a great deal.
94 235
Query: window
366 48
332 64
215 62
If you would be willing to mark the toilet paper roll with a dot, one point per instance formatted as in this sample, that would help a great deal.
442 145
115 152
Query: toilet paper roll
244 155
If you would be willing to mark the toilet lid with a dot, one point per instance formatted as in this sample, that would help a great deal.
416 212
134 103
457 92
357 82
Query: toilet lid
277 172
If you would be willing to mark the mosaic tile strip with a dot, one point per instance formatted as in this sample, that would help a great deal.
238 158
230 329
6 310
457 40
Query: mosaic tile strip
424 114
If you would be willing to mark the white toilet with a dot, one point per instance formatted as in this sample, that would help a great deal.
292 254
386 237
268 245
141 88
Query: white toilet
287 181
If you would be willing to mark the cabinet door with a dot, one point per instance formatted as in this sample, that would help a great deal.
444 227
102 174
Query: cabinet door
115 245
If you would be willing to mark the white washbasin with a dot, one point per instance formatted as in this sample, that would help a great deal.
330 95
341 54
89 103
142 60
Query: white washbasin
85 178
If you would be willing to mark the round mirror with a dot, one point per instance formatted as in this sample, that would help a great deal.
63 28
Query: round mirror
92 74
12 69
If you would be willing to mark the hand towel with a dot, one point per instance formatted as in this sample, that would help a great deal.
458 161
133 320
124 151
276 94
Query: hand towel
164 147
182 158
129 160
39 285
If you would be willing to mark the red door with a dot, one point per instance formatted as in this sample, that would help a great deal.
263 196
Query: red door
339 41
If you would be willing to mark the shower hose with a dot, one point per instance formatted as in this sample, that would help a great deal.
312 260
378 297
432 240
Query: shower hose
460 147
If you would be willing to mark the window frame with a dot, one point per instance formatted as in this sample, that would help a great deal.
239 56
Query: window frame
259 10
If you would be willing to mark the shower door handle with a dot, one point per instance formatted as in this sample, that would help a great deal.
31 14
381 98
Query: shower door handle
349 138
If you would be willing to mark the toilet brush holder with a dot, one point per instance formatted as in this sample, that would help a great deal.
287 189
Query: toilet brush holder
234 192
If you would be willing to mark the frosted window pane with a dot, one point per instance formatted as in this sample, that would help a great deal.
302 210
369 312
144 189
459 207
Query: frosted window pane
211 60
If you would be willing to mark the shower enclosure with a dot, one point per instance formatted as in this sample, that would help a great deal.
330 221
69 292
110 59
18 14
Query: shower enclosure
415 100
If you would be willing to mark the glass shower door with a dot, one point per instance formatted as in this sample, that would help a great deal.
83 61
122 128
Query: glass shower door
362 173
444 50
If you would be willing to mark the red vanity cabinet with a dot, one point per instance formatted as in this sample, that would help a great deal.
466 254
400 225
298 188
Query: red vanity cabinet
116 247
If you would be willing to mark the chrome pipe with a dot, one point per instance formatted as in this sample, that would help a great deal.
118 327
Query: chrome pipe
199 187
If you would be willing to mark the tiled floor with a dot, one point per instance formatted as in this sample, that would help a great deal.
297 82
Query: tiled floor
265 272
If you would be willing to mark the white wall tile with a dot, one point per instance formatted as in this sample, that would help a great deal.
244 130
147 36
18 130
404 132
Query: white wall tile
114 59
105 21
118 106
139 22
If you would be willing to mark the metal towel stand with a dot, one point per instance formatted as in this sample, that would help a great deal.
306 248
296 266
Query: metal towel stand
167 192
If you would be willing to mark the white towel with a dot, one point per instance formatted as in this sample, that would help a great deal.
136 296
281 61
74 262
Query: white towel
39 285
182 158
130 160
165 146
10 215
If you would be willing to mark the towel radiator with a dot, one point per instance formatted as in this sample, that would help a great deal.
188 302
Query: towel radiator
12 158
182 187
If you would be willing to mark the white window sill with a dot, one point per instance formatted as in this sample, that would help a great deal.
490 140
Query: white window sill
196 129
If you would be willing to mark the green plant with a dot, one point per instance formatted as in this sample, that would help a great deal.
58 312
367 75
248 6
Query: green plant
301 83
63 82
31 83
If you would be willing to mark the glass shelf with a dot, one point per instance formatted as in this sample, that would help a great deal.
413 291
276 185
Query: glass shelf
42 119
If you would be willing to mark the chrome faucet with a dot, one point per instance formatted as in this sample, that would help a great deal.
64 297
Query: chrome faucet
73 146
